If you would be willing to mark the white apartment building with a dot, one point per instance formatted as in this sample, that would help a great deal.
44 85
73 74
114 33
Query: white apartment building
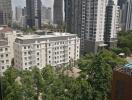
6 33
5 56
7 37
40 50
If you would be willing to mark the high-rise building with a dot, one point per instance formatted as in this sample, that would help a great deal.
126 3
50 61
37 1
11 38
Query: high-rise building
5 12
33 8
111 23
122 83
89 20
73 16
128 16
18 13
54 49
58 12
24 11
46 16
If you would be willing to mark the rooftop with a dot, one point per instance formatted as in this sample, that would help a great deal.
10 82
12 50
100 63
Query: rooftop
5 29
126 69
129 66
49 35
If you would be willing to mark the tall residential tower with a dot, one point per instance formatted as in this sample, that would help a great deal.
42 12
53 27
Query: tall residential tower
33 8
58 12
88 20
111 23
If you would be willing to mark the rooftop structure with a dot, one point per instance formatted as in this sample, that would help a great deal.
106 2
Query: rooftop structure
126 69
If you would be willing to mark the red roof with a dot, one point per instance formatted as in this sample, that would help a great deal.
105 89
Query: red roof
6 29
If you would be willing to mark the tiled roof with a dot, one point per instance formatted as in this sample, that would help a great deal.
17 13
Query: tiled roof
6 29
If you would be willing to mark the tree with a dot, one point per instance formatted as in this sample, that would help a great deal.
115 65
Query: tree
97 70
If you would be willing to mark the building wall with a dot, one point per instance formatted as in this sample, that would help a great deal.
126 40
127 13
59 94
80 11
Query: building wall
5 58
121 86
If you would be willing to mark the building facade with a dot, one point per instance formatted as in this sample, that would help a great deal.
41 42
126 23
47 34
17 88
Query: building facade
5 56
58 12
112 23
33 8
54 49
121 84
5 12
90 18
7 38
46 15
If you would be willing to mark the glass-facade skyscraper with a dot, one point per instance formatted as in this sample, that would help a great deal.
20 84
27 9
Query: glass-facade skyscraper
5 12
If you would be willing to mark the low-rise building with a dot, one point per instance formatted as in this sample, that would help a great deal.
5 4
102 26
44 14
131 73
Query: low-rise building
7 38
54 49
5 56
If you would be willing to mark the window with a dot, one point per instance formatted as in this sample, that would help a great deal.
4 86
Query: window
37 58
25 63
2 67
6 49
2 61
2 56
38 64
1 49
49 56
37 46
7 61
6 55
25 58
29 52
25 53
24 47
37 53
